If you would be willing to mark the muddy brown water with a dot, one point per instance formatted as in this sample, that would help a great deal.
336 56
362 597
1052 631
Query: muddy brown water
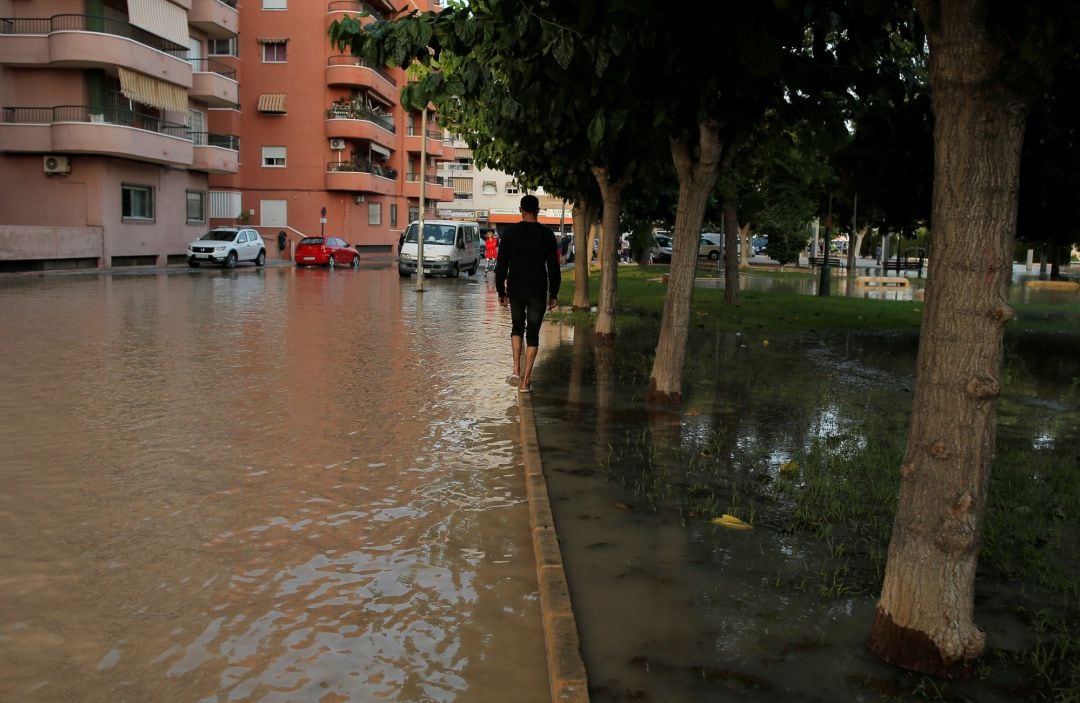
272 485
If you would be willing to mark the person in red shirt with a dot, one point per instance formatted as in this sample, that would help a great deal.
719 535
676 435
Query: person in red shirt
491 250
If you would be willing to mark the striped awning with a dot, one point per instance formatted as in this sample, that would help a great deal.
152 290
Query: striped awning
272 40
161 18
151 91
272 102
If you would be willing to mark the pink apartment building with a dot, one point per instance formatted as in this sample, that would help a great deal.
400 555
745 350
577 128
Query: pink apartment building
121 125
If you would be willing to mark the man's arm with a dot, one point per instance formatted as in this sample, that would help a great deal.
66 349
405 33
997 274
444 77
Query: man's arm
502 265
554 272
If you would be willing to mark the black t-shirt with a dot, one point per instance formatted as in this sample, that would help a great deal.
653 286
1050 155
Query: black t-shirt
528 262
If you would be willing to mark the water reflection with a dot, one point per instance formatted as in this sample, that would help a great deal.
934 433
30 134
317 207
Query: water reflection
673 608
273 485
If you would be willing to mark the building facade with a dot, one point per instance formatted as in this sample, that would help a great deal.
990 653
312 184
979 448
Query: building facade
105 148
328 149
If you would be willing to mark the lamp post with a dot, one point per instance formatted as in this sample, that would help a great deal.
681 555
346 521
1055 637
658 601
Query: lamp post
824 281
423 187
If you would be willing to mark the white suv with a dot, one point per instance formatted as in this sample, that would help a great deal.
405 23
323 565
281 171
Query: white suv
227 246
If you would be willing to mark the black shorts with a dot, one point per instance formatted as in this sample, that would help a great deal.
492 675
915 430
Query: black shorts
526 314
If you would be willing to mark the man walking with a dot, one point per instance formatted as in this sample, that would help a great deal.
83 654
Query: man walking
527 277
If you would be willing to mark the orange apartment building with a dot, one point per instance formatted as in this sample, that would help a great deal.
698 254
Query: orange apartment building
327 148
105 149
121 125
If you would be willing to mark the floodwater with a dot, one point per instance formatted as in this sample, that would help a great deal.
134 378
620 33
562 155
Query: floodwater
273 485
675 609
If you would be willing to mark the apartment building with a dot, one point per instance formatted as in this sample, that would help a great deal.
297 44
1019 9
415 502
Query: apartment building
492 197
105 149
327 148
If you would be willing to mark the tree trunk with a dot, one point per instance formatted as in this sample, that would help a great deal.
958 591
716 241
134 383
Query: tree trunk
732 295
924 617
611 191
746 242
853 257
698 169
582 244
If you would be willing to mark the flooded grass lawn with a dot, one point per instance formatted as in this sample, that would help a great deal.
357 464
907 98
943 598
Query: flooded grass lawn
800 434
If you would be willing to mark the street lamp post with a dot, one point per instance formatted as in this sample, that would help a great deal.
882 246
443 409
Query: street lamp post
423 187
824 281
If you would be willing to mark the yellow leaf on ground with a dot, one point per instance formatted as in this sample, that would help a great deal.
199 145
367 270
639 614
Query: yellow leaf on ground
788 466
731 522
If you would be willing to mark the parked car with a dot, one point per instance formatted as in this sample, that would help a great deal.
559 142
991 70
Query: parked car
759 244
661 252
326 251
227 246
712 245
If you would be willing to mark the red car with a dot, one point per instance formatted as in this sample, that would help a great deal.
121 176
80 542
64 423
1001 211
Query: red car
326 251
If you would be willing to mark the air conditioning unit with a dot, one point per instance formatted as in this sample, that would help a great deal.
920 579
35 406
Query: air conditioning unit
57 164
359 199
337 144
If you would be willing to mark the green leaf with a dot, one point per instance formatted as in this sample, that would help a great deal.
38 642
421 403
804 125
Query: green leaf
596 129
564 49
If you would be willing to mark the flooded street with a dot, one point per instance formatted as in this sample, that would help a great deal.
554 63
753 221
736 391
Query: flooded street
273 485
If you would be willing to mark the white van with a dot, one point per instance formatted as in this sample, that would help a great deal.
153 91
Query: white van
450 247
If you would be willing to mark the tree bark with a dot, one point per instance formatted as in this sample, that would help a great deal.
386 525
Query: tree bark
746 241
582 214
698 168
853 257
732 247
924 618
607 257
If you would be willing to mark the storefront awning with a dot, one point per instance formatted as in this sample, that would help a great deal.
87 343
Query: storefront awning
499 218
272 102
150 91
161 18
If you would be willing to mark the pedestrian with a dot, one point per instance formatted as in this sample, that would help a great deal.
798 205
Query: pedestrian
527 278
491 250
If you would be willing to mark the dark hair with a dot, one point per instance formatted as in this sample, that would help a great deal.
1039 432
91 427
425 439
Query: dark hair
530 204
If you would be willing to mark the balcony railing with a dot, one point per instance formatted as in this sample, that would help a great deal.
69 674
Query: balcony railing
83 113
212 66
354 6
431 133
434 180
225 141
89 23
342 60
351 111
361 167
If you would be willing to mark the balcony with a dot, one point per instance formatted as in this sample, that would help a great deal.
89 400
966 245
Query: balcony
218 18
434 141
360 177
345 121
78 129
435 189
370 9
350 71
214 83
215 153
84 41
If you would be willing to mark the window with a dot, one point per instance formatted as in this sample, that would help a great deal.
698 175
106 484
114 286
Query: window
414 214
136 202
374 213
393 214
196 206
512 188
274 52
273 213
489 188
273 157
222 47
275 4
225 204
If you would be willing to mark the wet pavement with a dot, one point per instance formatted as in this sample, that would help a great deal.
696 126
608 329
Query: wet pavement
274 485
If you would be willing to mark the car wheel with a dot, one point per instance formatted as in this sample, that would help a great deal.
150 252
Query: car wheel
475 266
356 262
714 255
230 260
261 258
454 271
330 262
403 273
193 264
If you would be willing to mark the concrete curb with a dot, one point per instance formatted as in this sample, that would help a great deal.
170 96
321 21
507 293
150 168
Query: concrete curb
566 669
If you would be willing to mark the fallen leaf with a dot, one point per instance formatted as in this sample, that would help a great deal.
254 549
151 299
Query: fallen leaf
788 466
731 522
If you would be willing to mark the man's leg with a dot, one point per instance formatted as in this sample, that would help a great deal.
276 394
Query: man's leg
534 316
530 357
515 344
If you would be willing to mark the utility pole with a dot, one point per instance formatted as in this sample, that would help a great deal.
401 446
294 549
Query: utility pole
423 188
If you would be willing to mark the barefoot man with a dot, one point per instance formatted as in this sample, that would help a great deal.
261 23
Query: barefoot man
527 277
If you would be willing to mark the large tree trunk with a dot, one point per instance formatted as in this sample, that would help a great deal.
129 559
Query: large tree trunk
698 167
732 295
582 247
924 617
853 257
607 257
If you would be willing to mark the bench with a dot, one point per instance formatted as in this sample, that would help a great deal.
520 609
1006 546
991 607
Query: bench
882 281
904 265
834 261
